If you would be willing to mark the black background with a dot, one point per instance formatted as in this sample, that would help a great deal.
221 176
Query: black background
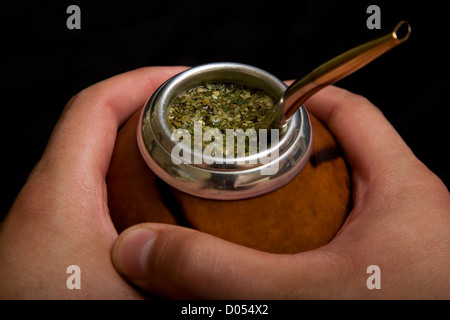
44 63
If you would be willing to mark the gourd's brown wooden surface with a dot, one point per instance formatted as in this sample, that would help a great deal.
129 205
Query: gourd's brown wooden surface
303 215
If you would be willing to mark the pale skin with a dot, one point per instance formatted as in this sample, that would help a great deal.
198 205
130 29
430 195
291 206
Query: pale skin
400 219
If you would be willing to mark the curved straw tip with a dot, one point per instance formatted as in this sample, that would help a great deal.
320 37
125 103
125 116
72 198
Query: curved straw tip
402 31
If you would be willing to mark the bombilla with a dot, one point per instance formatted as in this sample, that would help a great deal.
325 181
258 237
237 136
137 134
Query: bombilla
333 71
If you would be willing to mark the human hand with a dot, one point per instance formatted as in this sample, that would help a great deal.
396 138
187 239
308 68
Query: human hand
400 222
60 217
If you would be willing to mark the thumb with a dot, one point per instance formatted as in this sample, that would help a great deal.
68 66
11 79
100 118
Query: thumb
181 263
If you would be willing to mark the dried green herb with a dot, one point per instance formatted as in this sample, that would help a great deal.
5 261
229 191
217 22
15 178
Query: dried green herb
219 105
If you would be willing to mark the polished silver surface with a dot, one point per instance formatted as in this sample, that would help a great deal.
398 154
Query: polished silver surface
239 178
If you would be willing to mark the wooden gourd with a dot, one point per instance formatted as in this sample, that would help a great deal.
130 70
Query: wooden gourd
303 215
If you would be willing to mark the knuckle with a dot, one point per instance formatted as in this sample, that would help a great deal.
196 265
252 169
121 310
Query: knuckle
183 252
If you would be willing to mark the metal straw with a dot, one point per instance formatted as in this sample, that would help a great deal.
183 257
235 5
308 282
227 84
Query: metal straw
333 71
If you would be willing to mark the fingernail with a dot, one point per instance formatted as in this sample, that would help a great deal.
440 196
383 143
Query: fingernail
131 254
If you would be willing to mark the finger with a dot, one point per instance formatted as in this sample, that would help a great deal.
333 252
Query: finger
371 145
177 262
70 177
83 139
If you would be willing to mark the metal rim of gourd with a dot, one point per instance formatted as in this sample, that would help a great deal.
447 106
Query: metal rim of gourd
154 133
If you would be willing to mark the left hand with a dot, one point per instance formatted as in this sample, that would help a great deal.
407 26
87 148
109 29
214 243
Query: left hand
60 217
